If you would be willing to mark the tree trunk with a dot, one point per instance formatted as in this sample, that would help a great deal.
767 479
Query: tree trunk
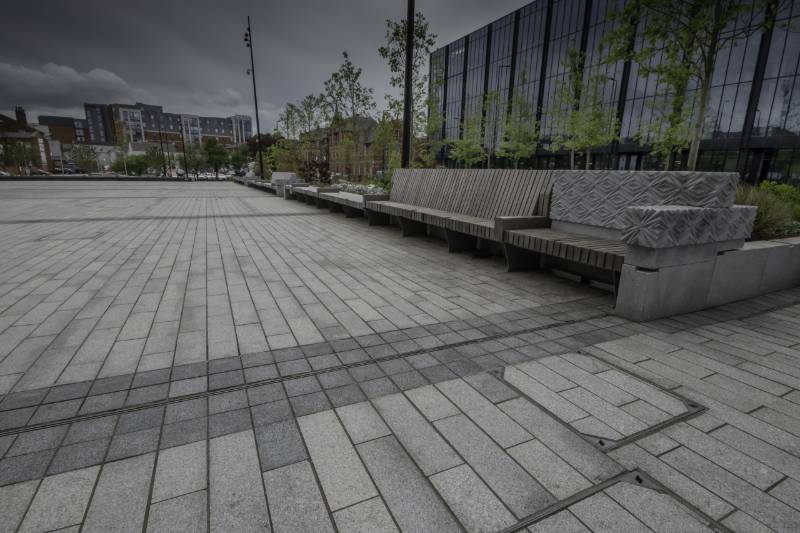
588 160
572 159
705 93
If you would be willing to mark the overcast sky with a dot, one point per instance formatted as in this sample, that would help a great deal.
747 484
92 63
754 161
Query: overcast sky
189 56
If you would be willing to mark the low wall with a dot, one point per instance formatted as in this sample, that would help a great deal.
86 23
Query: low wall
757 268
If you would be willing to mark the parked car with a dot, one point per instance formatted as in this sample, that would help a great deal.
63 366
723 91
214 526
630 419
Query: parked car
3 173
38 172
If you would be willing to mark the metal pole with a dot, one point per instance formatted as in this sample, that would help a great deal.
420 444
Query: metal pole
161 143
408 96
249 40
183 149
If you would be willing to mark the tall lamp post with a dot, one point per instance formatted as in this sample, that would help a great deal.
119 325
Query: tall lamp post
183 150
408 100
248 39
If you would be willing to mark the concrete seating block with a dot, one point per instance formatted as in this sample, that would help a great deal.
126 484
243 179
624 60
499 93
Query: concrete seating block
668 226
600 197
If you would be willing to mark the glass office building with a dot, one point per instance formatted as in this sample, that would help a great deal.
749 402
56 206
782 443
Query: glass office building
753 120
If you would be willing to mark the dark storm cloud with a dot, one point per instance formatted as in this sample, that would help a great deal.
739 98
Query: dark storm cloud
189 56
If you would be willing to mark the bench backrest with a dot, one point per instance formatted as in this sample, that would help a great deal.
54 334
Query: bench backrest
599 197
475 192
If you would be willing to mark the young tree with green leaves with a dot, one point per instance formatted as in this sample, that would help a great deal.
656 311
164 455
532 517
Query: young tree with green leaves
216 155
582 122
394 53
386 142
155 159
468 150
239 157
348 100
689 35
195 160
84 156
122 151
520 132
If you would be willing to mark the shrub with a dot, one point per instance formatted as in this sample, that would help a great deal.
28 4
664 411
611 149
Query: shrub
785 192
774 218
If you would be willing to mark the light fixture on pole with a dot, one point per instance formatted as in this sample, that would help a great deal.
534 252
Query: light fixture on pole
248 40
408 100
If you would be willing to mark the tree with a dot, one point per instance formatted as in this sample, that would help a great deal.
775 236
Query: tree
348 100
122 152
429 148
137 164
194 159
394 52
521 130
468 150
239 157
285 155
155 159
582 122
689 34
18 154
386 142
84 156
267 140
215 155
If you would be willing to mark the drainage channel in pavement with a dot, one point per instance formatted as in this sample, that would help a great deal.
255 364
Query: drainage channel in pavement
245 386
642 497
634 389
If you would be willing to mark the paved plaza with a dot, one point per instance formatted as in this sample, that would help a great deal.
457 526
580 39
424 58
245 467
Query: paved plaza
208 357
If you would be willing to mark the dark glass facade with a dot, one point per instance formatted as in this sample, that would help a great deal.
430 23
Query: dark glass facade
753 121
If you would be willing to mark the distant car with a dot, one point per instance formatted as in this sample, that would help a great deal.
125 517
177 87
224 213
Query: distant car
240 173
3 173
38 172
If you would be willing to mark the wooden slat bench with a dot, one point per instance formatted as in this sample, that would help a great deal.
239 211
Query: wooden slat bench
351 204
470 205
311 194
591 210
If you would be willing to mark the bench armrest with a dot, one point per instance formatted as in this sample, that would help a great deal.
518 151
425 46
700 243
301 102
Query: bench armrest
503 224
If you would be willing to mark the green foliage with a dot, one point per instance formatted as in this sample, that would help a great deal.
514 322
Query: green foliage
774 218
285 156
345 152
688 35
347 99
155 159
137 164
84 156
468 150
18 154
786 193
239 157
386 142
394 53
195 159
521 131
582 121
215 154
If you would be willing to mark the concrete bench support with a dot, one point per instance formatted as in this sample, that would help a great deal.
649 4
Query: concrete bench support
518 259
334 208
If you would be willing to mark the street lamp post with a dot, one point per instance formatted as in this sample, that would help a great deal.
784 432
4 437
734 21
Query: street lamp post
408 100
248 39
183 150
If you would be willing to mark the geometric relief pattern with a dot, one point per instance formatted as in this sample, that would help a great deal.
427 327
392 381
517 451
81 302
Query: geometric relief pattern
600 197
666 226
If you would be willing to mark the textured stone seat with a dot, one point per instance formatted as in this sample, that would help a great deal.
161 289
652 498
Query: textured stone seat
655 235
637 209
466 204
